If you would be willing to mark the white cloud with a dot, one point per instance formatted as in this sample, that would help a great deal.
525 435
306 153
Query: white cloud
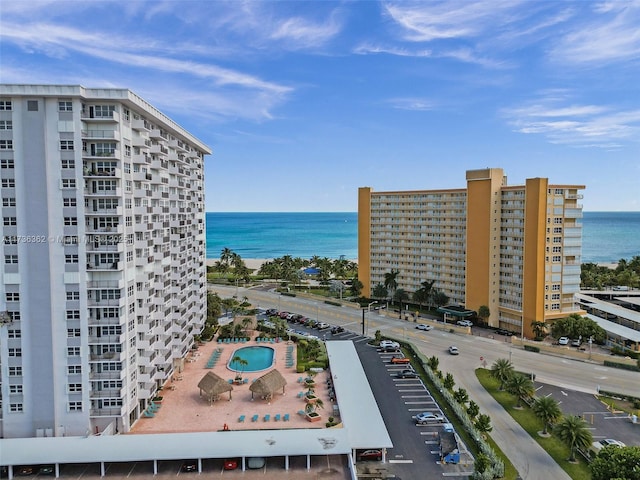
415 104
301 33
613 35
578 125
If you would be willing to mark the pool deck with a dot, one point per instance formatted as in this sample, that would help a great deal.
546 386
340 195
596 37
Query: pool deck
184 410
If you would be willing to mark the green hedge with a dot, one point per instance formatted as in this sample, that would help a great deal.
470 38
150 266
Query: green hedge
335 304
288 294
623 366
531 348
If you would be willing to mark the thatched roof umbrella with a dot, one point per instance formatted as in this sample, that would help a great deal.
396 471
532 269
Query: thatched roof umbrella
266 385
213 385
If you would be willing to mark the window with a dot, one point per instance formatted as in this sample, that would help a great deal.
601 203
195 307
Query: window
557 239
10 221
73 314
66 144
105 149
555 296
557 220
6 162
32 105
16 408
104 110
73 351
8 183
65 106
555 287
68 163
15 316
75 387
68 183
555 306
15 389
557 229
75 406
557 249
15 352
14 333
15 371
127 150
74 369
71 258
6 125
69 240
6 144
73 296
6 105
69 202
556 258
13 296
70 221
9 202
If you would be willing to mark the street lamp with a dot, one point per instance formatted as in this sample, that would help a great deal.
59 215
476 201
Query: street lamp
368 309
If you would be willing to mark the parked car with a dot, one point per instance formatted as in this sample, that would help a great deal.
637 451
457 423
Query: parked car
271 312
189 466
428 417
400 360
563 341
453 350
389 344
322 326
255 462
283 315
422 326
375 455
231 464
337 329
406 374
600 444
503 331
46 470
576 343
464 323
26 470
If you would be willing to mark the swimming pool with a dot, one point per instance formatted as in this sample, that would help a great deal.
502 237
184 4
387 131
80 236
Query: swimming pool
258 359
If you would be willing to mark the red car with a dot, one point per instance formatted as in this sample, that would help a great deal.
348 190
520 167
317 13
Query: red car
400 360
231 464
374 455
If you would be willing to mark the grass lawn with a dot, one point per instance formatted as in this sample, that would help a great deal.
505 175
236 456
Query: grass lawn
532 424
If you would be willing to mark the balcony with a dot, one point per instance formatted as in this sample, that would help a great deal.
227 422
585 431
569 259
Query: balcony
90 116
107 412
111 266
102 302
140 125
110 356
100 155
112 192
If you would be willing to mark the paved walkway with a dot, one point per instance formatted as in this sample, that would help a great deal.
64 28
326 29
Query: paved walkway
530 460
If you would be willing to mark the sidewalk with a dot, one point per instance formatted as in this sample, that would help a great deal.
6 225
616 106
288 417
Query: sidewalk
530 459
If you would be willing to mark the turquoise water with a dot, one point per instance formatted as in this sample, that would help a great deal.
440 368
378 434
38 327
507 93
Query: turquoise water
607 236
258 358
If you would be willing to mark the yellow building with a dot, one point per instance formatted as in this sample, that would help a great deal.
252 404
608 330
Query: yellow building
515 249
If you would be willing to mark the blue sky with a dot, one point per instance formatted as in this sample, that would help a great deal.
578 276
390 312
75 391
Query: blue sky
304 102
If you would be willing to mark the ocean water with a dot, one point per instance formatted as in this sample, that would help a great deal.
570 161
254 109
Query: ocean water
606 236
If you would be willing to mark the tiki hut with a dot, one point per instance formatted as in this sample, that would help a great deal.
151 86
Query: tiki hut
268 384
213 386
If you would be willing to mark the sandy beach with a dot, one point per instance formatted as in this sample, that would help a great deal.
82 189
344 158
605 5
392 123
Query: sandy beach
252 263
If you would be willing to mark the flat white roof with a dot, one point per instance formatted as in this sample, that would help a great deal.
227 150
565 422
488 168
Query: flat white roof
615 329
611 308
363 427
359 410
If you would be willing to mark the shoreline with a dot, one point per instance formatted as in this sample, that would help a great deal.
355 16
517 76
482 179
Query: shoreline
256 263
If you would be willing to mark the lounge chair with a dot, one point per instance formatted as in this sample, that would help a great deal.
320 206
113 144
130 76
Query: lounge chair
255 418
277 417
230 381
241 419
257 339
300 379
285 417
267 417
301 412
148 414
246 380
300 394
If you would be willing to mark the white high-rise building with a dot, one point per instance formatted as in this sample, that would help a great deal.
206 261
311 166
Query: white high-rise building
103 257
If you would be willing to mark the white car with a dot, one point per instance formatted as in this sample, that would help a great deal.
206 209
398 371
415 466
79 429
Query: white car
389 344
563 341
600 444
422 326
453 350
465 323
428 417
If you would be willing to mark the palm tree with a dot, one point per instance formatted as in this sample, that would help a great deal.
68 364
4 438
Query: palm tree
501 370
390 281
240 361
548 410
520 386
483 423
484 313
226 255
461 396
439 298
473 409
574 433
423 294
379 292
401 296
448 382
539 329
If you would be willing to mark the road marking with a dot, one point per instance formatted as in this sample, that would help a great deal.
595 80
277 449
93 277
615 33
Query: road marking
415 396
417 403
400 461
564 393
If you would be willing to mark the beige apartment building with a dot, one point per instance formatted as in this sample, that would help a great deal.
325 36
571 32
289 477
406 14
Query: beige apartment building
515 249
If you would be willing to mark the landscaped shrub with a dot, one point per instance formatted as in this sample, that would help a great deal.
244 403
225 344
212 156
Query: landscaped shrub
335 304
288 294
531 348
623 366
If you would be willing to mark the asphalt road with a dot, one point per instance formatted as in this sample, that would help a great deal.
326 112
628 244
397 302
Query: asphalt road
475 351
